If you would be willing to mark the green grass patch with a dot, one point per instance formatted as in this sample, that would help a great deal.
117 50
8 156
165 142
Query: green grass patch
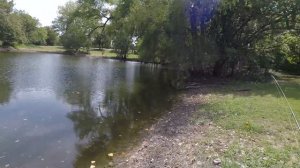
34 48
108 53
267 133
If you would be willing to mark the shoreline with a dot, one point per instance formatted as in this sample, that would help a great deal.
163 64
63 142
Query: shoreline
79 55
174 140
216 124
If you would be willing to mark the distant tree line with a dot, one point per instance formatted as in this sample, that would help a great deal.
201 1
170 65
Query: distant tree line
214 37
18 27
201 37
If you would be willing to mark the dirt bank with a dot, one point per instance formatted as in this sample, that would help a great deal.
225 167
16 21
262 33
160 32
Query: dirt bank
176 141
7 49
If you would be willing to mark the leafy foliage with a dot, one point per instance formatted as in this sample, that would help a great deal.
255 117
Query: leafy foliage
18 27
52 36
202 37
75 36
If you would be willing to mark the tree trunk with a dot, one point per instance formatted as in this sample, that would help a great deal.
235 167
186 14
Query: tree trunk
218 68
219 65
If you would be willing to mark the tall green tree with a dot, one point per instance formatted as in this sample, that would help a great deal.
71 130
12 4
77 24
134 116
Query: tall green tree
210 37
79 22
75 36
52 36
39 36
18 26
9 28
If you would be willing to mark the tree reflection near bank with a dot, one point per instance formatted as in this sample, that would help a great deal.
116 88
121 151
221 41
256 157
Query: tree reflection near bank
126 107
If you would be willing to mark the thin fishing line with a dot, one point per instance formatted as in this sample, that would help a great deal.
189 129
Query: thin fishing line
288 103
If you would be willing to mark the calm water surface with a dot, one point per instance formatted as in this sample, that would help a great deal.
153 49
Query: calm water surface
61 111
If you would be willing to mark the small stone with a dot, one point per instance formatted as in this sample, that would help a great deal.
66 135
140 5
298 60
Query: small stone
93 162
111 155
110 164
152 160
7 165
17 141
217 161
199 163
92 166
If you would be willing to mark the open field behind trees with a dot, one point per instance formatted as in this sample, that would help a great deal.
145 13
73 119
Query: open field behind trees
34 48
105 53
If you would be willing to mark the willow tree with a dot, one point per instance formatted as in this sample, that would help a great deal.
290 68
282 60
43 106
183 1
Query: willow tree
78 22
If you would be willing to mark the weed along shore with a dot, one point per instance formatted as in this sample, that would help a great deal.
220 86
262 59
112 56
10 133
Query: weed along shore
234 124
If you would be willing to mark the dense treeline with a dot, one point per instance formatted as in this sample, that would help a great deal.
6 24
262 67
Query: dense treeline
215 37
202 37
18 27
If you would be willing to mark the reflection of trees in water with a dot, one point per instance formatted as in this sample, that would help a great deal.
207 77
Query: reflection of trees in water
5 85
119 116
5 90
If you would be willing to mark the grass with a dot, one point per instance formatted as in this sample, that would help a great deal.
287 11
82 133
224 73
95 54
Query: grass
110 54
107 53
264 132
33 48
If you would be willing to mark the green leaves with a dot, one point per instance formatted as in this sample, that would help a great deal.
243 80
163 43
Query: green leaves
218 37
290 47
18 27
75 36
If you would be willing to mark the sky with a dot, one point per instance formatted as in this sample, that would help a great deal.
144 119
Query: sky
44 10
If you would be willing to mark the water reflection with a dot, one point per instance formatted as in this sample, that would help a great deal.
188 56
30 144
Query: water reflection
5 88
63 111
119 116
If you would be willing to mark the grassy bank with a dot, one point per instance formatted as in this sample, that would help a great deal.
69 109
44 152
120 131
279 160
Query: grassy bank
255 124
106 53
33 48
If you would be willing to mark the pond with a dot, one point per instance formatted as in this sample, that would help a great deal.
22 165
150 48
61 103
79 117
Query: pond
65 111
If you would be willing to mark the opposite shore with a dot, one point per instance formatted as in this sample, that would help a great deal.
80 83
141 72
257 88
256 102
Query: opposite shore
95 53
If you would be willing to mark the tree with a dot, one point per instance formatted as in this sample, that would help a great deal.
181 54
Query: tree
18 26
65 17
238 25
202 37
52 36
39 36
78 23
8 31
29 26
75 36
102 40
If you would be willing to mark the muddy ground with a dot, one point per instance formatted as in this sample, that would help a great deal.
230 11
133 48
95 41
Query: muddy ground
176 141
